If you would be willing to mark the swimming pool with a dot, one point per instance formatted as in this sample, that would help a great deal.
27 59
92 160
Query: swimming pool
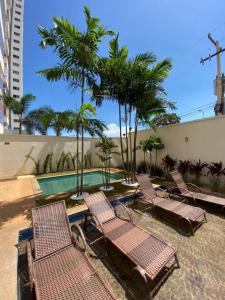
66 183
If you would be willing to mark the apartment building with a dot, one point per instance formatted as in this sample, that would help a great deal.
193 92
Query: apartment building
11 59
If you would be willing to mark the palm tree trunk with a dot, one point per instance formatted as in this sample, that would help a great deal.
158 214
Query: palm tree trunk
131 156
134 149
77 166
121 140
20 125
82 137
156 157
127 146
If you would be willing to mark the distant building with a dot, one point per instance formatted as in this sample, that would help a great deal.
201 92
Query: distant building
11 58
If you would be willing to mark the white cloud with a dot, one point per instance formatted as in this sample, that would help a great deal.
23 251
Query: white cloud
114 130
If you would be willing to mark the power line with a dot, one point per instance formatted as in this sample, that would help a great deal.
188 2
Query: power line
194 110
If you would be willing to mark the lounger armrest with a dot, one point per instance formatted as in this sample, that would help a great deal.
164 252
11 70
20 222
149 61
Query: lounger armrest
30 264
96 222
78 237
193 185
122 212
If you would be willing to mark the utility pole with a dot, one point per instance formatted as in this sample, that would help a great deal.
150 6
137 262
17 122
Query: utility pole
220 79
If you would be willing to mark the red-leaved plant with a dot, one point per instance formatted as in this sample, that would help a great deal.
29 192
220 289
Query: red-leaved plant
169 164
183 167
196 168
216 170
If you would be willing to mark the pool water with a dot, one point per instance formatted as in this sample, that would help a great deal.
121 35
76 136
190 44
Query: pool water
66 183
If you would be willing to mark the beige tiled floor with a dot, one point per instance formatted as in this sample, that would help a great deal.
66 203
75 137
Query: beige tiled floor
17 197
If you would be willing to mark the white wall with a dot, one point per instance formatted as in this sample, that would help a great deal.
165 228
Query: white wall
202 139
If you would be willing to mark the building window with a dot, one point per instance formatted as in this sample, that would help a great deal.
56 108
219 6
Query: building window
16 56
17 33
16 41
18 5
17 12
16 128
15 48
16 80
16 72
16 120
17 19
15 96
16 88
17 26
16 64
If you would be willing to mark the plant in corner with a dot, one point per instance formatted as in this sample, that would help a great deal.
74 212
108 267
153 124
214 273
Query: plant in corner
196 169
169 164
183 167
216 170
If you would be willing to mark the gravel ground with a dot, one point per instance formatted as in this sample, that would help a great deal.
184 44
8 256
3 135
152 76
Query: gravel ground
202 260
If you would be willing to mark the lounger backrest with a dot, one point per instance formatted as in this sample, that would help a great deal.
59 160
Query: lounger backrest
51 229
146 185
99 205
179 181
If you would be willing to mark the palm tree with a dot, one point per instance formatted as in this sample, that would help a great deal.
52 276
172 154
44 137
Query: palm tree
82 121
19 107
78 54
60 120
40 119
113 86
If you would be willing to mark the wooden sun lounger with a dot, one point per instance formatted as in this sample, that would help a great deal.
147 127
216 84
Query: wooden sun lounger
149 254
195 196
194 216
61 268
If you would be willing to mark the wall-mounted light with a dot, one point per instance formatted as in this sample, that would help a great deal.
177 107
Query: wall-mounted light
7 143
186 139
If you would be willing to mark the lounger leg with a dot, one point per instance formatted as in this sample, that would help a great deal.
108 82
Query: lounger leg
85 222
223 209
177 261
205 218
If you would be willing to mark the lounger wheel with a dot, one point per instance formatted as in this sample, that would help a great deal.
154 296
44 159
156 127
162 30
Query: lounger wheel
78 237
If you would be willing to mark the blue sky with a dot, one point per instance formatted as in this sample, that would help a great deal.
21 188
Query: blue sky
169 28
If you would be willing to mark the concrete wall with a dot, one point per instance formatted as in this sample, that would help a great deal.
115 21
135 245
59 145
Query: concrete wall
204 139
14 148
201 139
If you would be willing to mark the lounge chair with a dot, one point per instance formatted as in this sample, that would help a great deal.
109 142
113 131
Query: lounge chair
149 254
194 216
61 268
195 196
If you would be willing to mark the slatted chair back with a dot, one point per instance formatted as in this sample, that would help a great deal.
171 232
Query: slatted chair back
179 182
51 229
100 207
146 185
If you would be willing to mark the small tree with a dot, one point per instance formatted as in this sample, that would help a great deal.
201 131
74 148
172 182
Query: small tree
106 146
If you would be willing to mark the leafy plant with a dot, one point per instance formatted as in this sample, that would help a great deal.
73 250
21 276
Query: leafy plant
196 169
47 164
36 163
216 170
61 161
169 164
87 159
183 167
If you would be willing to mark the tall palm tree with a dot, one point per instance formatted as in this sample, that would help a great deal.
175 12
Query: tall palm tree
82 121
19 107
77 52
